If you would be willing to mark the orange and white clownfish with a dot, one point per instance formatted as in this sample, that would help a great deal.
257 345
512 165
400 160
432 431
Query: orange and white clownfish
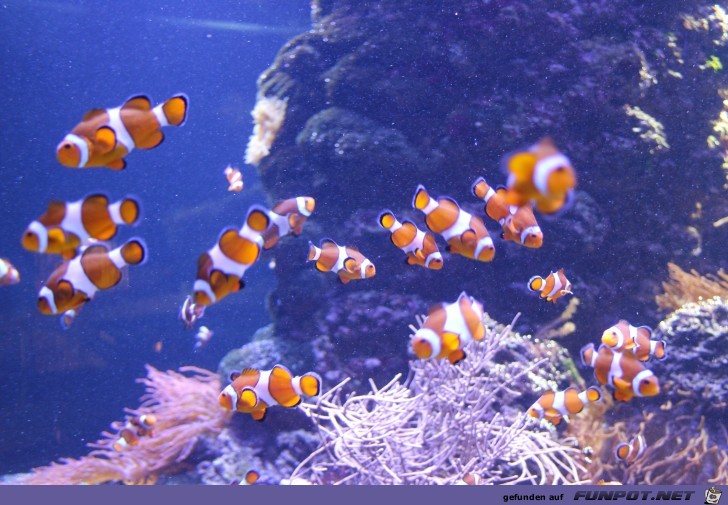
552 287
448 328
220 270
9 275
76 281
203 336
250 478
519 224
190 312
234 178
105 136
419 246
622 371
553 405
627 453
470 479
287 216
253 391
347 262
135 427
625 337
542 175
465 234
66 226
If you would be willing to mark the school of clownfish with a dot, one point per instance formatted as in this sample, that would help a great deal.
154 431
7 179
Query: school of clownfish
540 178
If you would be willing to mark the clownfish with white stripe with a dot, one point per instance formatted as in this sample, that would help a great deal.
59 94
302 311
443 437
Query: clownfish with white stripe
135 427
220 270
448 328
9 275
627 453
464 233
250 478
542 175
552 287
253 391
519 223
97 268
286 217
637 339
419 246
553 405
234 178
105 136
347 262
203 336
190 312
622 371
67 226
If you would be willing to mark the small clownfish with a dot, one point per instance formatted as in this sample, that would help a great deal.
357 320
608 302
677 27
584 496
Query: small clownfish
465 234
419 246
67 226
552 287
69 317
470 479
234 178
9 275
105 136
627 453
253 391
286 217
220 270
347 261
250 478
204 335
622 371
542 175
448 328
625 337
135 428
553 405
76 281
190 312
519 223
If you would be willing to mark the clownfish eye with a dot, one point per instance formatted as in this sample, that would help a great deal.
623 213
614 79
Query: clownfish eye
533 235
66 146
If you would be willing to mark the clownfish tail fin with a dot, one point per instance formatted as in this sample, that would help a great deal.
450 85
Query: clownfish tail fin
129 210
535 283
421 198
480 188
313 251
134 252
310 384
387 219
175 109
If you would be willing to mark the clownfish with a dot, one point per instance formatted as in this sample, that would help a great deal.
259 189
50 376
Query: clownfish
627 453
220 270
68 317
347 261
253 391
286 217
519 223
105 136
250 478
203 336
542 175
135 427
234 178
190 312
66 226
76 281
470 479
419 246
622 371
637 339
9 275
553 405
448 328
465 234
552 287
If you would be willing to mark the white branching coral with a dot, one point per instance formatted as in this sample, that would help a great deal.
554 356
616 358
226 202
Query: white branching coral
650 129
440 424
268 116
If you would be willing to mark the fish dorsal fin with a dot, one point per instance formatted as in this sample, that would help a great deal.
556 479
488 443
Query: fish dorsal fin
350 265
106 139
139 102
250 371
327 242
522 164
434 308
93 113
234 375
281 372
95 249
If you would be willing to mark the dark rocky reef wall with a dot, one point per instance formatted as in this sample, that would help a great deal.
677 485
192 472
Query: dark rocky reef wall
385 95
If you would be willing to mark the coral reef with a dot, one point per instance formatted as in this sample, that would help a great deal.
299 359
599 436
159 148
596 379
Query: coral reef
684 287
268 116
441 423
187 409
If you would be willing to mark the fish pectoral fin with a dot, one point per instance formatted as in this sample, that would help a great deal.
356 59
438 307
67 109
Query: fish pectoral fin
621 384
450 342
248 398
469 237
418 253
350 265
151 141
294 220
521 165
106 139
119 164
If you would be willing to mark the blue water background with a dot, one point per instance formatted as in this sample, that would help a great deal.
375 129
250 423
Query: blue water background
60 389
